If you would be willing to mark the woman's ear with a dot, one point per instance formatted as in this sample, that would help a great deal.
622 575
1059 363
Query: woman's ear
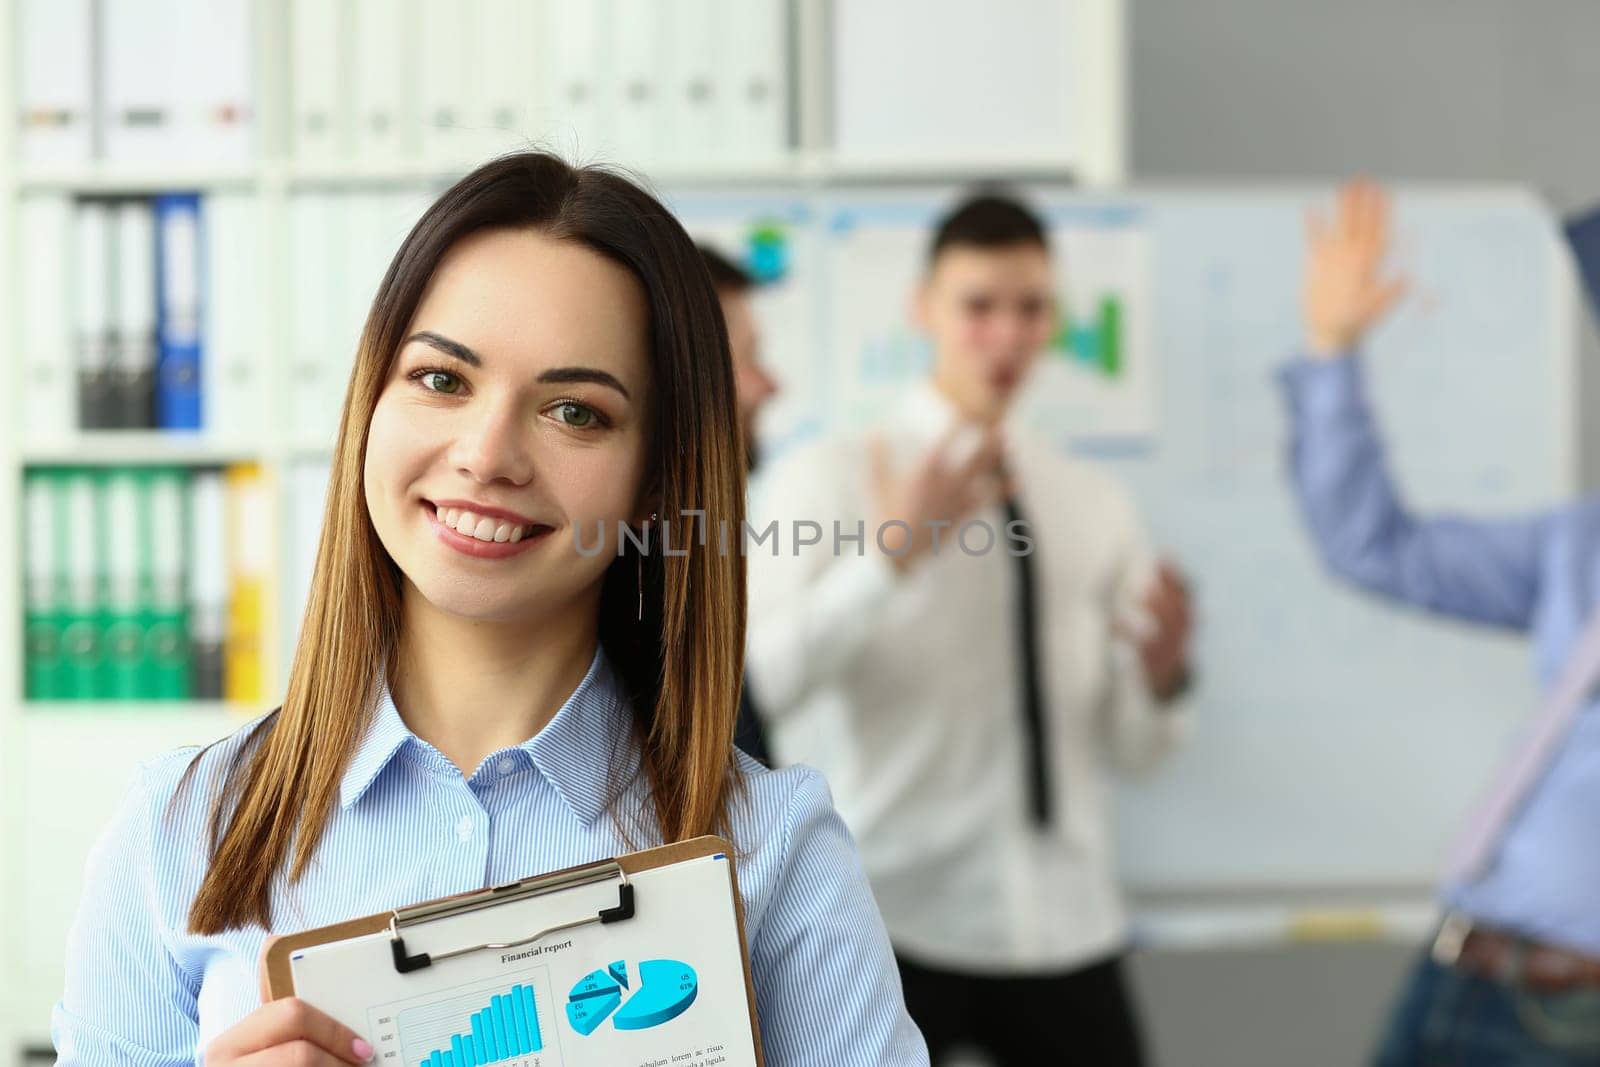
649 507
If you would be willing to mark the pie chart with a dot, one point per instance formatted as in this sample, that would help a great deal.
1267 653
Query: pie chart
665 990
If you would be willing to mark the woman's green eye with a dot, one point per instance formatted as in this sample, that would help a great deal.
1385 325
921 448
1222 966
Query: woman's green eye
439 381
576 415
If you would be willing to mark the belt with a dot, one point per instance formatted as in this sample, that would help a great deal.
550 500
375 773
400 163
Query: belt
1512 959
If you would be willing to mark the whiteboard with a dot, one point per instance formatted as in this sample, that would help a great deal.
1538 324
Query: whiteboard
1338 740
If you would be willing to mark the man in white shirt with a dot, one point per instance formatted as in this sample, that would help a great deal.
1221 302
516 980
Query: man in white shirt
977 632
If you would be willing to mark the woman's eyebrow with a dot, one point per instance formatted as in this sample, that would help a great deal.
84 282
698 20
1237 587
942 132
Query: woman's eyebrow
555 375
563 375
447 346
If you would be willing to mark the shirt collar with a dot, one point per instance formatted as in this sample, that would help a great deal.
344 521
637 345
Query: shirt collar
587 751
927 414
584 751
385 734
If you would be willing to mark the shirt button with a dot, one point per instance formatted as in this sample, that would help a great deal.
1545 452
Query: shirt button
464 828
508 765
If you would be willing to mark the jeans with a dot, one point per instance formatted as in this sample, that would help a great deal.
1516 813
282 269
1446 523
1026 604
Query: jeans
1449 1018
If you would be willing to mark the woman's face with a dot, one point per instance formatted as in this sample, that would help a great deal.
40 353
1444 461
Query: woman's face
514 418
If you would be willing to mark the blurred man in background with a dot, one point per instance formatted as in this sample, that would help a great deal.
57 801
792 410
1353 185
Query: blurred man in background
753 386
963 691
753 382
1513 974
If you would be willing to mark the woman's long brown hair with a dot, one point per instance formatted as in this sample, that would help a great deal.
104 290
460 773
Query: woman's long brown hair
681 664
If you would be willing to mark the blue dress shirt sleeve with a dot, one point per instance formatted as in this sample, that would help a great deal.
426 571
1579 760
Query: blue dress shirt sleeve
828 989
1484 571
126 1000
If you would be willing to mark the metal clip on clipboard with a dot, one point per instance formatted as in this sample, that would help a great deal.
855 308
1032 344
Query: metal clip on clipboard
503 894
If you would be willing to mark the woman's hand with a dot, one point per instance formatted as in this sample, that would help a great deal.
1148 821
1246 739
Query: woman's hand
1345 295
288 1031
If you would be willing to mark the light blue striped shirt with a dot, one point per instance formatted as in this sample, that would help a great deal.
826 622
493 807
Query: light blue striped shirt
1538 574
408 827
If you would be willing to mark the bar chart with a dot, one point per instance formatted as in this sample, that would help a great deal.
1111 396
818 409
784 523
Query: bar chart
1093 343
473 1028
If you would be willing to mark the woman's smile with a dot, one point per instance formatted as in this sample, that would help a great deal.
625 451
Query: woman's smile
480 535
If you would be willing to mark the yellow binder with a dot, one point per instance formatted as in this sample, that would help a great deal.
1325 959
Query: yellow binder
249 560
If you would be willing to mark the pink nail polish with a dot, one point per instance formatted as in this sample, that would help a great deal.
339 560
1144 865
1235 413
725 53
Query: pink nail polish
362 1050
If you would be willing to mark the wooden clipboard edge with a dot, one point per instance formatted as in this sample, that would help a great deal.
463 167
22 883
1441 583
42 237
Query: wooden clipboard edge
278 980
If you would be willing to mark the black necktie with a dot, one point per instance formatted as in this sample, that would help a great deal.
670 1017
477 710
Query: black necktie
1032 692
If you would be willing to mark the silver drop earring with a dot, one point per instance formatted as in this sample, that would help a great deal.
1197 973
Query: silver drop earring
640 571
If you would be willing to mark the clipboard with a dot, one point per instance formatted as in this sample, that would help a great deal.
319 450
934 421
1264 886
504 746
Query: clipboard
636 959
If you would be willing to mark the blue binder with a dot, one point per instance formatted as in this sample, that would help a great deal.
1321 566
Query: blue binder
178 277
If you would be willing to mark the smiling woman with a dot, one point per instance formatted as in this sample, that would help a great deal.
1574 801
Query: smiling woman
473 699
496 383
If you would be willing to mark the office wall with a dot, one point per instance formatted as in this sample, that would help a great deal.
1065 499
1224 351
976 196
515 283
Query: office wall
1477 90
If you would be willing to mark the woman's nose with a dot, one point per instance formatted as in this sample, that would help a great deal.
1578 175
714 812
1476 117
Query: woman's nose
497 446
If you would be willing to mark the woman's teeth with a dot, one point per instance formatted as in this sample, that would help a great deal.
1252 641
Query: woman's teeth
481 527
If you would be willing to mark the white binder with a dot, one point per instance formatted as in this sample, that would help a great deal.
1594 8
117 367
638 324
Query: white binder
317 89
47 407
55 82
638 29
207 564
318 316
448 81
579 86
756 85
235 381
215 95
307 493
93 329
694 96
510 49
385 61
142 52
133 359
895 98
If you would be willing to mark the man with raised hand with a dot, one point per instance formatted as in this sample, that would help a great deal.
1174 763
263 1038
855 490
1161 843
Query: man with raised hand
1513 973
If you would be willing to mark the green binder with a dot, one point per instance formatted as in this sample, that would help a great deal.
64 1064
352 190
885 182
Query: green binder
127 583
81 637
44 667
167 633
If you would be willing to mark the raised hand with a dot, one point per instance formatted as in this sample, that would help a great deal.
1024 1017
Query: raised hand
936 495
1347 287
